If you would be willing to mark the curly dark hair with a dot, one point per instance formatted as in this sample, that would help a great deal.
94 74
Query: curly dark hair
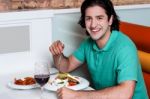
106 5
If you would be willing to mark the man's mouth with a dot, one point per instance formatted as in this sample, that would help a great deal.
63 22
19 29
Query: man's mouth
95 30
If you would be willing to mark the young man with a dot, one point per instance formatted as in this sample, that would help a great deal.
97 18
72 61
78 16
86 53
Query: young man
110 55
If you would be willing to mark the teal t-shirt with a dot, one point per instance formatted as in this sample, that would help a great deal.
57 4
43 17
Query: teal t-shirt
116 62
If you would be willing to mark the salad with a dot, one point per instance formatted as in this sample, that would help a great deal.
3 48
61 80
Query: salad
65 79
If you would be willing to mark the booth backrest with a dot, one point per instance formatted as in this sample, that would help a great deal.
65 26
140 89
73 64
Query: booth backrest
141 37
139 34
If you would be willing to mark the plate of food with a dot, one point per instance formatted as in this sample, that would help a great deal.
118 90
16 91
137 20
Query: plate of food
66 80
23 83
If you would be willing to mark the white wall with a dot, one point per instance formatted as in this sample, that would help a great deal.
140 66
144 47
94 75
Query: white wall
39 23
138 14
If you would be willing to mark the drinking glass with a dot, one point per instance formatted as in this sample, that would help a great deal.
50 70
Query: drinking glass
41 74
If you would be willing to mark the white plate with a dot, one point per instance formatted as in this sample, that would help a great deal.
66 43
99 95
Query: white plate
82 85
23 87
53 70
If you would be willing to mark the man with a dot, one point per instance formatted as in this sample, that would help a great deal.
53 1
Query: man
110 55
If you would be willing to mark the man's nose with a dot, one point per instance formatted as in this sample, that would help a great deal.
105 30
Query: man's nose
93 23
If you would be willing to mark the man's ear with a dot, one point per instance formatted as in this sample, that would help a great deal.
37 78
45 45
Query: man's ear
111 20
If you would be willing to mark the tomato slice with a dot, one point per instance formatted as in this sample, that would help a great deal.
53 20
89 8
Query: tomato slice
72 83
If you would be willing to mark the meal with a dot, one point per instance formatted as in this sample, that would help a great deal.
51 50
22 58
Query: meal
25 81
65 79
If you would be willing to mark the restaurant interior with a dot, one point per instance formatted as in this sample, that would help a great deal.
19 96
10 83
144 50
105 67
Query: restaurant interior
28 28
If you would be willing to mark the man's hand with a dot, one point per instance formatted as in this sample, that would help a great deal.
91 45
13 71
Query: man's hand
57 51
65 93
56 48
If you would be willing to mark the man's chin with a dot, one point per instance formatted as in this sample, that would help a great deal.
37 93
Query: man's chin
94 38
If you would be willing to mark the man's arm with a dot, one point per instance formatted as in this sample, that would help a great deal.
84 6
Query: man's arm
124 90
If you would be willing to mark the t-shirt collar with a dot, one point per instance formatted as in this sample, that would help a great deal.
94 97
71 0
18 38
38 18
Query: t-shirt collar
108 45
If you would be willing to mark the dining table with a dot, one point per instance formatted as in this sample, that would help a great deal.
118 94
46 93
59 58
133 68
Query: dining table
9 93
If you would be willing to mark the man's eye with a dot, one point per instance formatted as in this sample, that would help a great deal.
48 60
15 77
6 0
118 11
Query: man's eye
87 19
99 18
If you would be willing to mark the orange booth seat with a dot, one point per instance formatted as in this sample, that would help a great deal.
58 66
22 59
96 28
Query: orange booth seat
141 37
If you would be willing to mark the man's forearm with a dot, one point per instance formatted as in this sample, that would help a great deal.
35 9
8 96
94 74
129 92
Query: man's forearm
116 92
61 62
103 94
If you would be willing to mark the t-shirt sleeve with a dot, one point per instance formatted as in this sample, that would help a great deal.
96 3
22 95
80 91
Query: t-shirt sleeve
128 64
79 53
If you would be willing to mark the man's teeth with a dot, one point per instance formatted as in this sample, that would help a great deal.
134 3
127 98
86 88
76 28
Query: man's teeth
95 30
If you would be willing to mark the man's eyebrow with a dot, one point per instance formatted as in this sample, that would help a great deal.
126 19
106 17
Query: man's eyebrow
87 16
100 16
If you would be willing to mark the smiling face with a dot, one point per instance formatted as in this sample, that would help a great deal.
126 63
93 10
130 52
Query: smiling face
97 23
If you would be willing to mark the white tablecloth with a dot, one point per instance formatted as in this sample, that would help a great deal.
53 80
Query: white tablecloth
8 93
